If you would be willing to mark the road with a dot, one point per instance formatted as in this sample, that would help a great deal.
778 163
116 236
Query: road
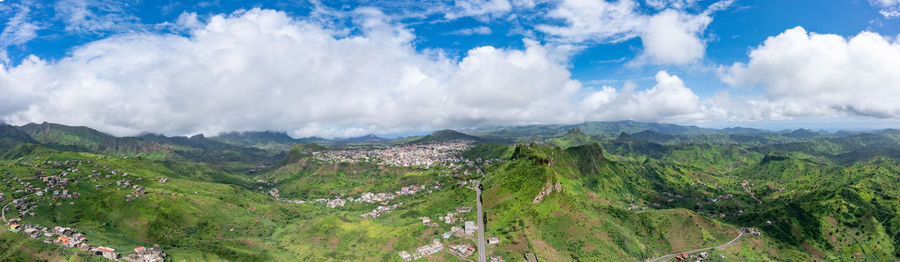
482 251
735 240
3 211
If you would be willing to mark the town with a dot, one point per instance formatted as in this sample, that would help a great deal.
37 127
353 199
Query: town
421 155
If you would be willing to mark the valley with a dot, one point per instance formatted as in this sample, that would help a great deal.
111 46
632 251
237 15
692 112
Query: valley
598 191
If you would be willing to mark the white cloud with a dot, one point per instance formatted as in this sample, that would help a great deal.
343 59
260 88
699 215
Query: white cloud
263 70
669 37
479 8
672 37
812 75
595 21
669 100
885 3
92 16
890 8
676 4
480 30
889 13
19 30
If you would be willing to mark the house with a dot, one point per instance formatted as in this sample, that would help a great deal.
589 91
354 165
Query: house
470 227
14 228
493 240
64 240
107 252
405 256
462 250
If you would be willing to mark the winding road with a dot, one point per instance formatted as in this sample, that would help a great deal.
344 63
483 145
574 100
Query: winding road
3 211
735 240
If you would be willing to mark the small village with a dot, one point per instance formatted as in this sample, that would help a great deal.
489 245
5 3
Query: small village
57 192
71 238
466 233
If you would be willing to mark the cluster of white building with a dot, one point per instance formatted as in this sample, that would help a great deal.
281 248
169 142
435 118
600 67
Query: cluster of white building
424 155
367 197
423 251
380 210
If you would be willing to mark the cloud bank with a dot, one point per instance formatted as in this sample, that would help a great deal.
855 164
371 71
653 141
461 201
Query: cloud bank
261 69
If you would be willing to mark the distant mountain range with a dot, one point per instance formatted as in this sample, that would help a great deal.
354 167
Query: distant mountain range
261 145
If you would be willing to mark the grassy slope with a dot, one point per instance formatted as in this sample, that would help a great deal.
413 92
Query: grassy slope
186 224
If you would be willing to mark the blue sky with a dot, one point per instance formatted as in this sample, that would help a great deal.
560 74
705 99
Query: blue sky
410 66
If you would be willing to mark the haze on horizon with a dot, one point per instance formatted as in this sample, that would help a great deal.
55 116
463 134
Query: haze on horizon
348 69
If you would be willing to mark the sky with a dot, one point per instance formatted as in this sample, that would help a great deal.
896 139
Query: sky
349 68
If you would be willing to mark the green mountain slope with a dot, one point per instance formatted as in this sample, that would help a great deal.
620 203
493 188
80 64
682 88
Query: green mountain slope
87 139
573 222
10 136
446 136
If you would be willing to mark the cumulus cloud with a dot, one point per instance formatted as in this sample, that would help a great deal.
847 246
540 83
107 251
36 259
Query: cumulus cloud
668 100
807 74
669 37
672 37
261 69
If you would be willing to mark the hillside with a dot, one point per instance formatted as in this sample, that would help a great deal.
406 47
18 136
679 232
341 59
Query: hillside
446 136
10 136
88 139
575 223
268 140
574 137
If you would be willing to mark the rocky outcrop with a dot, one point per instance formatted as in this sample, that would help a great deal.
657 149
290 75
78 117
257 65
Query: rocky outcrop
548 188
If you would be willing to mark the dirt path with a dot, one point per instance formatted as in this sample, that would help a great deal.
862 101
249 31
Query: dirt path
735 240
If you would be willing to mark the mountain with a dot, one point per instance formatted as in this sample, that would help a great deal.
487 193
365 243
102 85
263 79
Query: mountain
259 139
574 137
805 134
442 136
10 136
88 139
370 138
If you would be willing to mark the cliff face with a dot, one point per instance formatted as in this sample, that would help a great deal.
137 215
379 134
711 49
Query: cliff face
588 158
